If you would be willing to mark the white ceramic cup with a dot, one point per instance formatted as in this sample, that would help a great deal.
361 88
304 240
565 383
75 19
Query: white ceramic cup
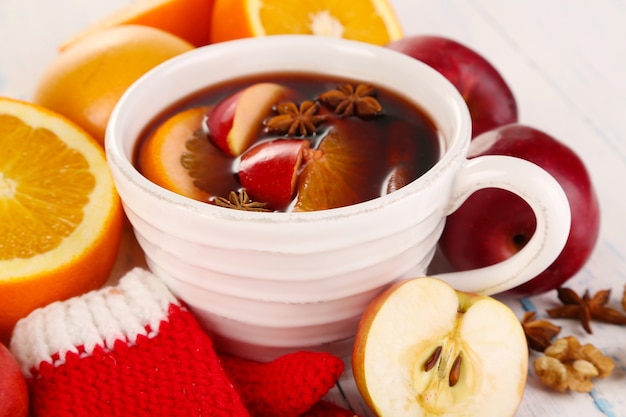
268 283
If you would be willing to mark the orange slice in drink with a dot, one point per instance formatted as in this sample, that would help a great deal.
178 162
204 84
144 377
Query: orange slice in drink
160 157
331 175
371 21
179 157
60 215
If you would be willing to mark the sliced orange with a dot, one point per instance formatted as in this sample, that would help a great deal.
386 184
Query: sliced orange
85 82
331 175
60 216
179 157
160 156
187 19
371 21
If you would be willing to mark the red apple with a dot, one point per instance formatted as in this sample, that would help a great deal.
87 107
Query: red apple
269 171
490 100
493 224
236 120
13 388
424 349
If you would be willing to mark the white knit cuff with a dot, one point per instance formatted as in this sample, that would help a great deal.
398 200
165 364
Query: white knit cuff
135 306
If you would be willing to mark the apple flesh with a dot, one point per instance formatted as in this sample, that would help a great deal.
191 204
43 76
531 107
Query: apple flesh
269 171
492 225
236 120
490 100
13 388
423 348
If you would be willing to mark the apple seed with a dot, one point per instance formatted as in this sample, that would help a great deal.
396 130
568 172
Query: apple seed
432 359
455 372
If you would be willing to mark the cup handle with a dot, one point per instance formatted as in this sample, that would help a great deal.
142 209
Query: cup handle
548 202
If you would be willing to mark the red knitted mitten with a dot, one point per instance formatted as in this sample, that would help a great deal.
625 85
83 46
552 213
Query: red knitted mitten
328 409
127 350
286 387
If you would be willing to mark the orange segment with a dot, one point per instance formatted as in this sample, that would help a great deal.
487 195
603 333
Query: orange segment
331 175
85 81
60 216
160 156
187 19
371 21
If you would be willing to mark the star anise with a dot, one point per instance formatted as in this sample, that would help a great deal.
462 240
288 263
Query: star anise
292 119
347 100
586 308
240 201
539 333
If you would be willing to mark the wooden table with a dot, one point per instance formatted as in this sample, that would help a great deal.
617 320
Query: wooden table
565 61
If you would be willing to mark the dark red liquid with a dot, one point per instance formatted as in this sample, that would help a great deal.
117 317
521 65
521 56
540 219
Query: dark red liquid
393 148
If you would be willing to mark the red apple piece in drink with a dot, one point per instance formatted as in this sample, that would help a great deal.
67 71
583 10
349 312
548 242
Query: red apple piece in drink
236 120
269 171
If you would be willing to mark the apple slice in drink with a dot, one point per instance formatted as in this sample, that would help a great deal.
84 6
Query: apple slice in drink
236 120
269 171
424 349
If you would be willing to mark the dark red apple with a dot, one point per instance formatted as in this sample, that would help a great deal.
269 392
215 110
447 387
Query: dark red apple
269 171
494 224
234 122
13 388
490 100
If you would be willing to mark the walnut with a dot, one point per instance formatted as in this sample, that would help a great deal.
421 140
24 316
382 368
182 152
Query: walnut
569 365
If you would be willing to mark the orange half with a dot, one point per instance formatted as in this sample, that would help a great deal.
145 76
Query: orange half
371 21
60 215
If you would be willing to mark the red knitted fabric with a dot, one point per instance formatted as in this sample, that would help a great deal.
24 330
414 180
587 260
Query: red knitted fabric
327 409
171 370
286 387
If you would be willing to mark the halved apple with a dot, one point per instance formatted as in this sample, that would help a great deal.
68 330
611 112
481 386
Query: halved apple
236 120
423 348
